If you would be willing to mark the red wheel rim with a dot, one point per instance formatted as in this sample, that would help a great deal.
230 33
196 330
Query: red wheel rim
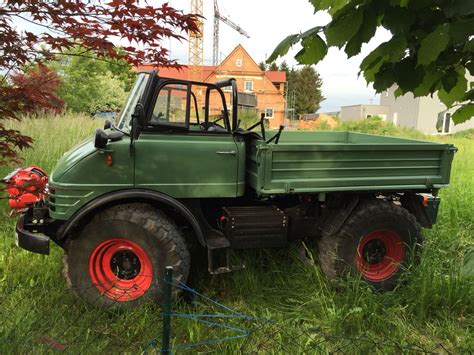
379 255
120 269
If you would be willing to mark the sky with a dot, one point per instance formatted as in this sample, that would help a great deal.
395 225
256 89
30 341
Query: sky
270 21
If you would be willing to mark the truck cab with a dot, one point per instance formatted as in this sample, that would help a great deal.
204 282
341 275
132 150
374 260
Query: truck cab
176 172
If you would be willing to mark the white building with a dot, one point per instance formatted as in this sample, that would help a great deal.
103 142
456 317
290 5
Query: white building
426 114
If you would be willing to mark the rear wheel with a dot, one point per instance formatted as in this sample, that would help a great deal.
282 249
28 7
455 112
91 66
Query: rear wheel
119 257
379 241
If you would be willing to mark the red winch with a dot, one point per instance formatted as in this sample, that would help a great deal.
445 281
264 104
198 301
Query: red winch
25 186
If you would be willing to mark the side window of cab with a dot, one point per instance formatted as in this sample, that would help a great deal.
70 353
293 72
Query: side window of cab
170 106
211 109
197 108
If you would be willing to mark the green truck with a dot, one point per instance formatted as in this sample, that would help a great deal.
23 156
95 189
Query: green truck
174 174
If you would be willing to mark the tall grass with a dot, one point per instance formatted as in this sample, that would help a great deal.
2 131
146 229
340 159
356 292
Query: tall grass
435 306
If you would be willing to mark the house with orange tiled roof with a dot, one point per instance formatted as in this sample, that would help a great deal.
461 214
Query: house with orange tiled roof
259 91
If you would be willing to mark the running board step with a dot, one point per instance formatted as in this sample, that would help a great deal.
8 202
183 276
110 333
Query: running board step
219 256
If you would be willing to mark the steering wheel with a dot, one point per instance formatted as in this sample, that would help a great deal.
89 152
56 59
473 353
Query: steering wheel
214 123
157 117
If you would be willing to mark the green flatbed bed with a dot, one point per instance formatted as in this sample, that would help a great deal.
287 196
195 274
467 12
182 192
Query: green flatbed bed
346 161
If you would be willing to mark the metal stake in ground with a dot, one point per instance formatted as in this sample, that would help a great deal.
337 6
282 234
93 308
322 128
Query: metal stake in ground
168 280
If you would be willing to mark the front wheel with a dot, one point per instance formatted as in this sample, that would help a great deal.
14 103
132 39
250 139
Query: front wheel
379 241
119 257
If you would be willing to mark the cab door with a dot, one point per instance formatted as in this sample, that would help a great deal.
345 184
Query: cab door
181 153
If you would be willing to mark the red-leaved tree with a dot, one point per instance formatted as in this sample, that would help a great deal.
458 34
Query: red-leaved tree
36 88
60 25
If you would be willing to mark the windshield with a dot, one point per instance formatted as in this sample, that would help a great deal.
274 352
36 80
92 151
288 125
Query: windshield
123 120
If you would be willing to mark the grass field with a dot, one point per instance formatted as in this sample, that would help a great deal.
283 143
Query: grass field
297 310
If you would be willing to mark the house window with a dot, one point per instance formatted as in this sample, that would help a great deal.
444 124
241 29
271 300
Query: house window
443 124
248 85
447 123
227 88
238 62
268 113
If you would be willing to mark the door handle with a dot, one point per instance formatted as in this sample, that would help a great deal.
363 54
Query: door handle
227 152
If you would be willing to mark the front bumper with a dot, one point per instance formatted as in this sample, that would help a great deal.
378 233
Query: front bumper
35 242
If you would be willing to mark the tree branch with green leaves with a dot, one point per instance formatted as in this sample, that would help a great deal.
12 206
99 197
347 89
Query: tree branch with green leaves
431 49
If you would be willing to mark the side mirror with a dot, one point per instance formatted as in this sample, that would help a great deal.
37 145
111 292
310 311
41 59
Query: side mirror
101 139
138 120
107 124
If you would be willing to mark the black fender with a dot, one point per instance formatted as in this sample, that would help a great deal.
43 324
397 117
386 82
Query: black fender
135 195
425 215
335 218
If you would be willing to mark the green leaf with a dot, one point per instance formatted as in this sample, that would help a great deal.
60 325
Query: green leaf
369 74
369 25
283 47
470 67
429 83
395 48
461 30
344 26
424 5
401 3
390 51
456 93
373 58
365 33
311 31
353 46
398 19
469 95
450 79
338 5
331 5
463 114
314 49
384 78
321 4
409 76
459 8
289 41
469 46
399 92
433 44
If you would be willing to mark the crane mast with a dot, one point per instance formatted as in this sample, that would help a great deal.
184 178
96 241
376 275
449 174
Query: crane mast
217 18
196 44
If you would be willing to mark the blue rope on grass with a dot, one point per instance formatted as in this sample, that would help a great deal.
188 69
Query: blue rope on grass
212 341
202 318
193 291
191 316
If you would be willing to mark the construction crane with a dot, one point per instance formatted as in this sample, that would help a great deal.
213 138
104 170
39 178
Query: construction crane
217 18
196 44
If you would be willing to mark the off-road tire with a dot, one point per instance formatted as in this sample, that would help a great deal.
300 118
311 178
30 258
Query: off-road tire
149 229
340 256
